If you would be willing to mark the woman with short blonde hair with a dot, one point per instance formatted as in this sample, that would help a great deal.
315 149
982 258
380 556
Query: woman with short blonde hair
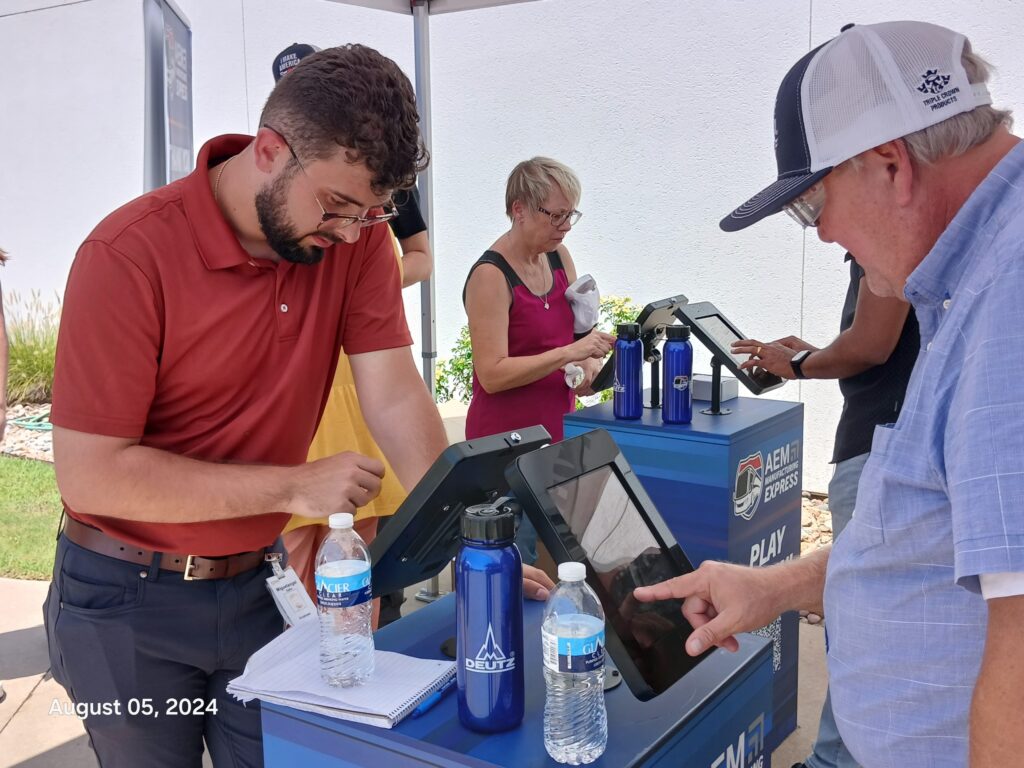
520 323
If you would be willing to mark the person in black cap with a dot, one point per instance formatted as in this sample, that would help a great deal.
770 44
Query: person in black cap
887 143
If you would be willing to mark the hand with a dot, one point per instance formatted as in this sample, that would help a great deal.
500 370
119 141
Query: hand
595 344
343 482
720 599
536 583
795 343
773 356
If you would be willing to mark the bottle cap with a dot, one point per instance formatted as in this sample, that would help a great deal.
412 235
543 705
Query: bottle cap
485 522
677 332
572 571
340 520
629 331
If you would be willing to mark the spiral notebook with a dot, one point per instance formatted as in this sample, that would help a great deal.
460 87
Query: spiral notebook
286 671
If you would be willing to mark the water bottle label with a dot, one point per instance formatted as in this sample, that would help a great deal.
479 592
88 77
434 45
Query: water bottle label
681 382
573 654
343 591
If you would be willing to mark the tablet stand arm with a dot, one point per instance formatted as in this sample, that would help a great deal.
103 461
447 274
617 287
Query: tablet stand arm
716 390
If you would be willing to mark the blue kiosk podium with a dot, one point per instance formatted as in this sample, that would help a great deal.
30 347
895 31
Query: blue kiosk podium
718 715
728 487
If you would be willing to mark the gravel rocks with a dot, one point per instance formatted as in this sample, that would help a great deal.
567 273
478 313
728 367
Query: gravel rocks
27 443
816 524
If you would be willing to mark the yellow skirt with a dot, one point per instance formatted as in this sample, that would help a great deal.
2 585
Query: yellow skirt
342 428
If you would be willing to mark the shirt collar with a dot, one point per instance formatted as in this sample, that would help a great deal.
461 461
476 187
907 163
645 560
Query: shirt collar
214 239
939 273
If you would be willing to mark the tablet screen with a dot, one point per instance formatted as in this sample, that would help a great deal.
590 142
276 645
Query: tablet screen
623 553
723 334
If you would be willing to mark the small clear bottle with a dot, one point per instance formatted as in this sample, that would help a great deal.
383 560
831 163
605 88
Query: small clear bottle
572 636
344 602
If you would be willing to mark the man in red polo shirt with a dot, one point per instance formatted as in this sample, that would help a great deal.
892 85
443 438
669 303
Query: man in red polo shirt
200 333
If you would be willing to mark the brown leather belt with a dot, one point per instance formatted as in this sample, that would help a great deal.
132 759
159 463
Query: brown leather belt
192 566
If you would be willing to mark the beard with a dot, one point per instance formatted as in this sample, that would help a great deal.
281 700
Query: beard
271 211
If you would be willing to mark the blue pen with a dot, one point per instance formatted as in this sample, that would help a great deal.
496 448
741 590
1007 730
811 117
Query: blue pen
428 703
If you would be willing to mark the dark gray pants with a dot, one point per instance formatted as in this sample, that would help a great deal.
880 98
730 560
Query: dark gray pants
158 651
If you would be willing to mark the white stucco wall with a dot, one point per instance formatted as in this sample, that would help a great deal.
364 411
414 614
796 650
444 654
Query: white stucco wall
663 108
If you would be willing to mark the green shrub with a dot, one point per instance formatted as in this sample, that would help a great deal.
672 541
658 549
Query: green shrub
453 378
32 336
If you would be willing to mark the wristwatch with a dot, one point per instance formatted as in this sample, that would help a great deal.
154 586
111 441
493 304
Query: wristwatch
797 362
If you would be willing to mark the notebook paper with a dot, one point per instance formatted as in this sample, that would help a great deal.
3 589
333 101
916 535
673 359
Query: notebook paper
287 672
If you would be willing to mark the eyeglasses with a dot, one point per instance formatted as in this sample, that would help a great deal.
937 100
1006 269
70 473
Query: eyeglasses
558 219
387 212
806 209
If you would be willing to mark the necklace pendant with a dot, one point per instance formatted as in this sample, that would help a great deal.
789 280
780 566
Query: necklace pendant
545 304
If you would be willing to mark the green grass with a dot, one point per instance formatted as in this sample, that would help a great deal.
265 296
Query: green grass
29 510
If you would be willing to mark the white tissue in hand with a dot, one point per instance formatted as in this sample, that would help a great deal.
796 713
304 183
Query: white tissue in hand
585 300
574 375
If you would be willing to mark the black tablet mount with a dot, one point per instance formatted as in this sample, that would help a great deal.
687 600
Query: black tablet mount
424 534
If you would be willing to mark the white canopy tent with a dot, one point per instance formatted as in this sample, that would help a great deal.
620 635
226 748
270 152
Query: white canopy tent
421 10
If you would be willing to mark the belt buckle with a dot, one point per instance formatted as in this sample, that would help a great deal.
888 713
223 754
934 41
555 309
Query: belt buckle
189 565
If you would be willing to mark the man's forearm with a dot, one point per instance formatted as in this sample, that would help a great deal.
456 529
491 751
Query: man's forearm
800 584
841 359
135 482
410 433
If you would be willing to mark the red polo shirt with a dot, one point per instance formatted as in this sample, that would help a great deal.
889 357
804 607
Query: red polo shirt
173 334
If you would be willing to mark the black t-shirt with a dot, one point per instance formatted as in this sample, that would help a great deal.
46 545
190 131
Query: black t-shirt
874 396
409 220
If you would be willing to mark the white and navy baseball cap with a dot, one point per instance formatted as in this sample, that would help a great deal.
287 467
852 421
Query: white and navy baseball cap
871 84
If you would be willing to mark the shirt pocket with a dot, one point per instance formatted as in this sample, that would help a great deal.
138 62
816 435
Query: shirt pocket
897 485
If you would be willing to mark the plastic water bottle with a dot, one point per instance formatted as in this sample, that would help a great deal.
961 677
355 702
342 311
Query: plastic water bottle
344 602
677 403
572 636
627 391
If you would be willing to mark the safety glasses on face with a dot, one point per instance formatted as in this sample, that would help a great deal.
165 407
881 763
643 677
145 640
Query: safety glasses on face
558 219
806 209
377 214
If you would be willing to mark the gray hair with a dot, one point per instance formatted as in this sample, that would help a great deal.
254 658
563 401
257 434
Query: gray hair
961 132
530 182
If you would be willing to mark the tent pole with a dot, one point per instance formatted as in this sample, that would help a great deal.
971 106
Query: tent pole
421 34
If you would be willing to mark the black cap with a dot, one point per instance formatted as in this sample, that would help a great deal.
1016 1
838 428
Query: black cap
629 331
677 332
485 522
290 57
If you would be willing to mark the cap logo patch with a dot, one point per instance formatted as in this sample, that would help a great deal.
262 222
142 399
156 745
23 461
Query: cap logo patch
933 82
933 86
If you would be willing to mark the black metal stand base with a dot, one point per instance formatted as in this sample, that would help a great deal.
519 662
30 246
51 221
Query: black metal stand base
716 408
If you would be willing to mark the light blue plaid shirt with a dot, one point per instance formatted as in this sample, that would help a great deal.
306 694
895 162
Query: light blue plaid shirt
941 499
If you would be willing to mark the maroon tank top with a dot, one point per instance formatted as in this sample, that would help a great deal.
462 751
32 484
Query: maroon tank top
532 330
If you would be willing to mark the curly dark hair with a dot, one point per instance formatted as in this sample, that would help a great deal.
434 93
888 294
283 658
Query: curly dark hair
353 97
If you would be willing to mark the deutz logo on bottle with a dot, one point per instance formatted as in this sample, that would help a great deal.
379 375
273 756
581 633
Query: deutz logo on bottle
490 658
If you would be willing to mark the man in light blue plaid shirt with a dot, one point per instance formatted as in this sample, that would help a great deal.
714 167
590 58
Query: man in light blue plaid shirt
887 142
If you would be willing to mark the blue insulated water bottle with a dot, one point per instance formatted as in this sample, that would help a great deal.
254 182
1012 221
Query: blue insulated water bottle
489 621
627 392
677 403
